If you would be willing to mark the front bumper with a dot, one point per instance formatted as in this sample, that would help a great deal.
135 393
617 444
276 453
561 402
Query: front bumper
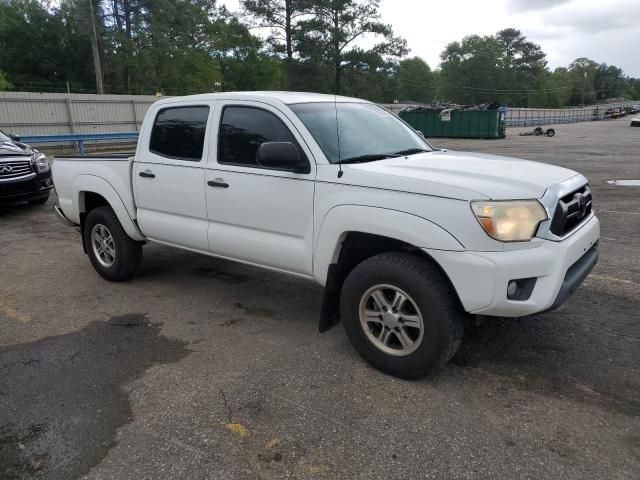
481 278
21 190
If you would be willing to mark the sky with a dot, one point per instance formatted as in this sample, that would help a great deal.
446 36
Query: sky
607 31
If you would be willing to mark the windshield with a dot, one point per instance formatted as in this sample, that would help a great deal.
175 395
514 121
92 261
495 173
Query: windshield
4 137
365 131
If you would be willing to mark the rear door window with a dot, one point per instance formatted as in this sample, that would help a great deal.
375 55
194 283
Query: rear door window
178 132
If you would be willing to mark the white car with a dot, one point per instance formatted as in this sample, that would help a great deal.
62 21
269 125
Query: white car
635 121
409 241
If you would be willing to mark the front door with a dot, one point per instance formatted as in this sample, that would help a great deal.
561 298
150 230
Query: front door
169 177
258 215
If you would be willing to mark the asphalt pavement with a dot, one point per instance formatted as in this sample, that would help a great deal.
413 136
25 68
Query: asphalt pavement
205 369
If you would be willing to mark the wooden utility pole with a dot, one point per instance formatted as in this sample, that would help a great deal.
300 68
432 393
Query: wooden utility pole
94 47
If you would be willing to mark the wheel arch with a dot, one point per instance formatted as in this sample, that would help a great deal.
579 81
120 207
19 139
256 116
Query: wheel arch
91 192
372 231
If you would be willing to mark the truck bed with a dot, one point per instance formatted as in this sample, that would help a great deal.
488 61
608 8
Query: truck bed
110 172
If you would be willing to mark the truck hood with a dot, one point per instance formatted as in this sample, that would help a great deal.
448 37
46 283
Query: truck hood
472 175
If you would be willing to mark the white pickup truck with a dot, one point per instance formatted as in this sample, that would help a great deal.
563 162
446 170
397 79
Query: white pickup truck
409 241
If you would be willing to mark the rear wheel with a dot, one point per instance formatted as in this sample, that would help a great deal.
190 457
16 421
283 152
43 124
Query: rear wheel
401 314
113 254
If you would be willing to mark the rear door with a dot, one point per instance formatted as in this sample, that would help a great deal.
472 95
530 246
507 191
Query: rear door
258 215
169 176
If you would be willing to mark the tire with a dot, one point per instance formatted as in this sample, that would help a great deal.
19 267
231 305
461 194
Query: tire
125 254
39 201
550 132
431 300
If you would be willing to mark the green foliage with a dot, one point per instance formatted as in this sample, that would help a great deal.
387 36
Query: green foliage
415 80
504 67
4 83
190 46
43 47
283 18
329 34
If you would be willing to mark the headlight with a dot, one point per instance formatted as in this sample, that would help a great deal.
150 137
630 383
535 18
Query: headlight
40 163
510 221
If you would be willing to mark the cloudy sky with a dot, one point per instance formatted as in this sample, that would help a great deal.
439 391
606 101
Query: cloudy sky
604 30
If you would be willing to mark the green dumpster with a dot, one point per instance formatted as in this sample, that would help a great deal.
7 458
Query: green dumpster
457 123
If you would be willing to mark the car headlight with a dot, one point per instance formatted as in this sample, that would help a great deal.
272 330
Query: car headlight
509 221
40 163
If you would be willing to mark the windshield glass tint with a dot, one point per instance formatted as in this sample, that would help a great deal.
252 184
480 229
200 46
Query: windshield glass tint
3 137
364 129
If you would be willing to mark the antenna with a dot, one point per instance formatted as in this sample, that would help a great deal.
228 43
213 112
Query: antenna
335 106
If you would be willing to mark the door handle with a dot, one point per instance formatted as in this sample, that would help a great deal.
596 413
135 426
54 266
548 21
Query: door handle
147 174
218 182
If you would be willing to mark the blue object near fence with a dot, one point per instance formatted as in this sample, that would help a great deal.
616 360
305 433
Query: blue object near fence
78 137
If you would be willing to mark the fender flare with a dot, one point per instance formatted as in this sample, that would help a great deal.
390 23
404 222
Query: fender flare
409 228
95 184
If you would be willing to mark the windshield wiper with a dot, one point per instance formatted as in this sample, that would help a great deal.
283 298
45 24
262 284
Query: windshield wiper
370 157
411 151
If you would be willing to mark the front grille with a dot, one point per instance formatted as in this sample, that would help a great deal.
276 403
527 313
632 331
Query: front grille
14 169
571 211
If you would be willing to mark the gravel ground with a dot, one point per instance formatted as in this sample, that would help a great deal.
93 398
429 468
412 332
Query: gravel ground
201 368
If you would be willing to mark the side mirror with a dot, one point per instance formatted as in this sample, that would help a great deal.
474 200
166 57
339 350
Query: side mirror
15 138
282 156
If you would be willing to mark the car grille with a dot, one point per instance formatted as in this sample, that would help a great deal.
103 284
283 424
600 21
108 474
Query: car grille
14 169
571 211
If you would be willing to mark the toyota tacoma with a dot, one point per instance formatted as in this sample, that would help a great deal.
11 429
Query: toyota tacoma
408 241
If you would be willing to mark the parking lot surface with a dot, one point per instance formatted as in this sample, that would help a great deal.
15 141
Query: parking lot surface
202 368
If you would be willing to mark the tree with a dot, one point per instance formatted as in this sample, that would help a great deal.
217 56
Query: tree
559 87
237 55
337 24
583 73
282 17
4 83
41 47
524 64
471 70
609 82
415 80
504 67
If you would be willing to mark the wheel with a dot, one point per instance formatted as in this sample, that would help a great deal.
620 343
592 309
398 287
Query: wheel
401 314
39 201
550 132
113 254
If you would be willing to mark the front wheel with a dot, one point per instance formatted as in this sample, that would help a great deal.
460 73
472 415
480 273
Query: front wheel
401 314
113 254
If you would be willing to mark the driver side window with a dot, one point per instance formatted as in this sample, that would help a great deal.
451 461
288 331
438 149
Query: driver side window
244 129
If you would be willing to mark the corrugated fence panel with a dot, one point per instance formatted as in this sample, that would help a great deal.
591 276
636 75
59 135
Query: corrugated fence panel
29 113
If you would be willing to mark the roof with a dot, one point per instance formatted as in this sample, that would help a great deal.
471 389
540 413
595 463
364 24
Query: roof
284 97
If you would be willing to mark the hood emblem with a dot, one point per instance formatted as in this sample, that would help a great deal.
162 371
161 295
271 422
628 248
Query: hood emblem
6 169
582 205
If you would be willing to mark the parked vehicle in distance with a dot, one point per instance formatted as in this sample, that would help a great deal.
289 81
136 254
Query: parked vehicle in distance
408 241
25 174
635 121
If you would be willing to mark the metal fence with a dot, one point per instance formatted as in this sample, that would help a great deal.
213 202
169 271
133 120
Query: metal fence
30 113
525 117
27 113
